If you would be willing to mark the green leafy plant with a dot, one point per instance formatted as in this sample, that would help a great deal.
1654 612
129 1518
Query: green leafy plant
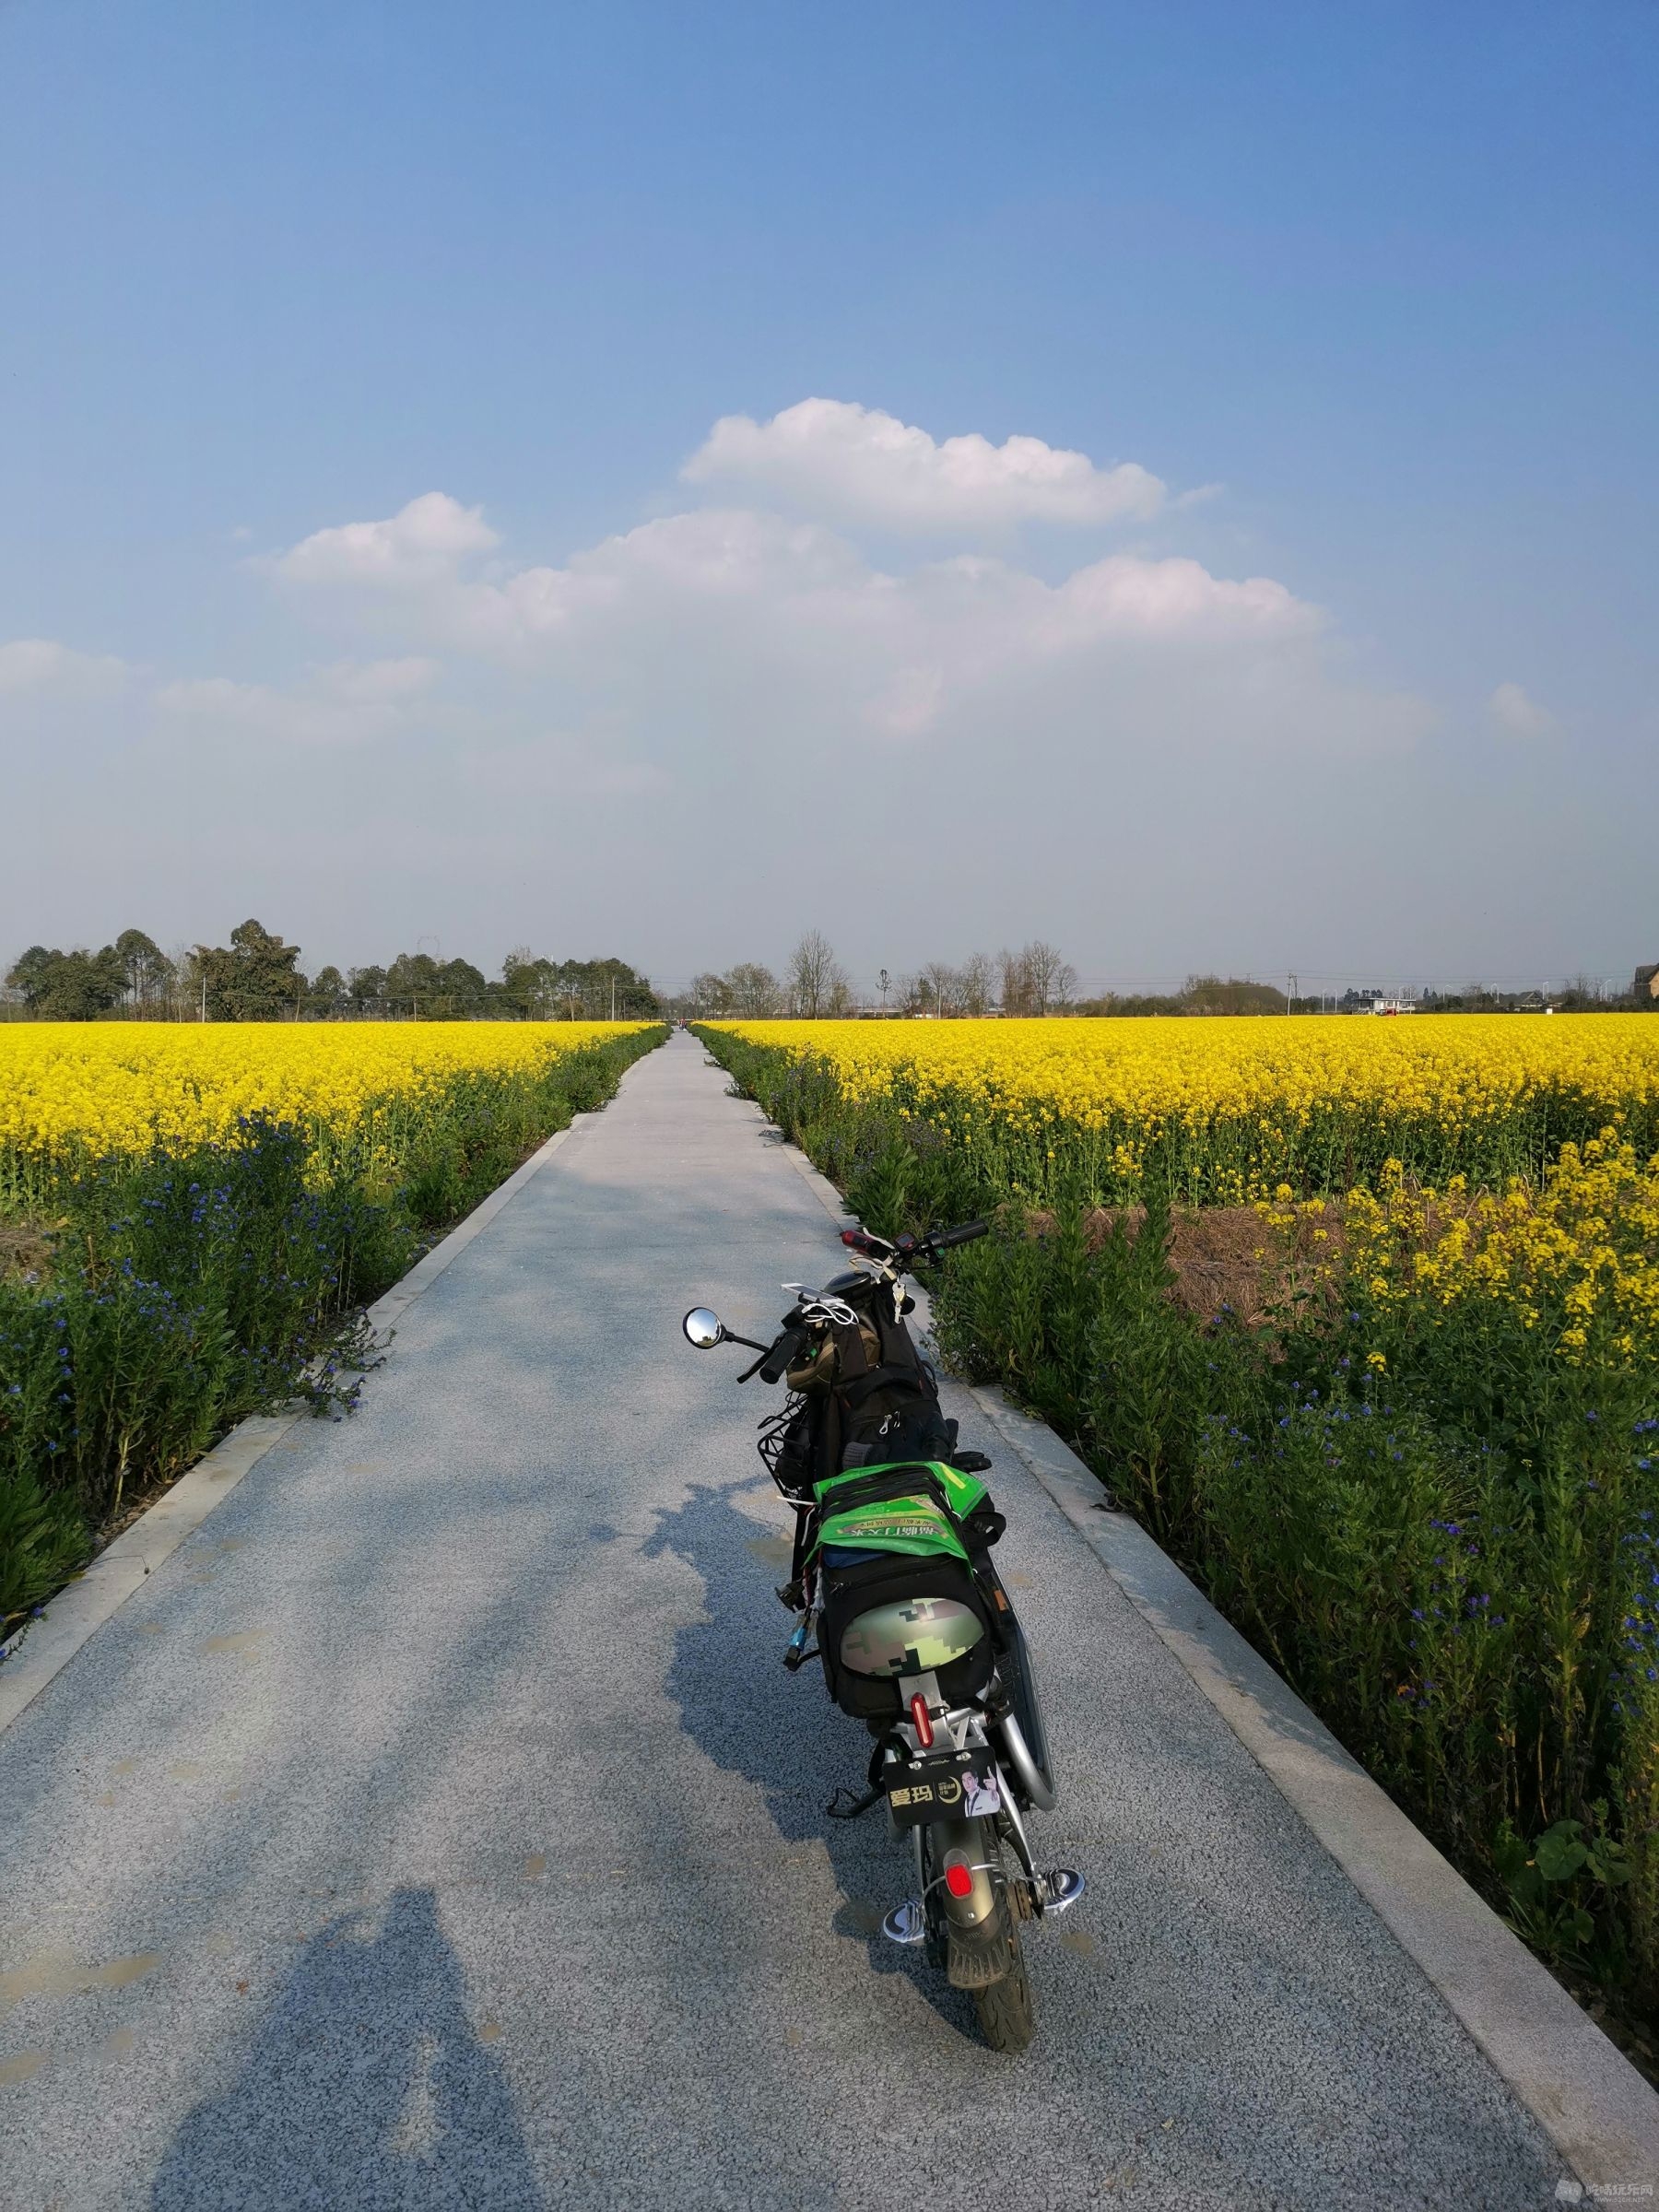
1559 1885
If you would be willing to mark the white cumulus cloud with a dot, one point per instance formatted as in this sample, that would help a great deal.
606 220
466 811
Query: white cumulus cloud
738 624
1512 710
718 561
860 464
420 542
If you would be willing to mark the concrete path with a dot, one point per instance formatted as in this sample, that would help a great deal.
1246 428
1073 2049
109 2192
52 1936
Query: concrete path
439 1827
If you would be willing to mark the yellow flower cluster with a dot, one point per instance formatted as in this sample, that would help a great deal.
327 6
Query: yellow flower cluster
1577 1255
1232 1106
75 1089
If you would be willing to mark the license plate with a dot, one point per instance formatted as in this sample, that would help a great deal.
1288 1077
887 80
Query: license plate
962 1787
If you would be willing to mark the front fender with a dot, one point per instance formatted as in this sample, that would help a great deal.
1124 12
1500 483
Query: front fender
972 1844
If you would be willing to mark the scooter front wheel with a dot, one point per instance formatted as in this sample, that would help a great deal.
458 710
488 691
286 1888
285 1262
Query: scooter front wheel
1006 2017
975 1935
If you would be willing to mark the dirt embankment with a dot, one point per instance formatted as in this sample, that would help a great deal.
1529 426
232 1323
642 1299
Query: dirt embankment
1227 1258
24 1251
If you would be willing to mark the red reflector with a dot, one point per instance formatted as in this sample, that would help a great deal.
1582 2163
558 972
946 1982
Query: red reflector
923 1725
958 1880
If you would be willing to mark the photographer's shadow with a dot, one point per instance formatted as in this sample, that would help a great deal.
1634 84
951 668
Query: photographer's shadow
364 2086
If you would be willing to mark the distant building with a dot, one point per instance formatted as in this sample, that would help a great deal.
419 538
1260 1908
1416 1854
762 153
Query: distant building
1394 1006
1647 981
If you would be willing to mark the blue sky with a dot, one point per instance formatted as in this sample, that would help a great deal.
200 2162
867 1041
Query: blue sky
1370 294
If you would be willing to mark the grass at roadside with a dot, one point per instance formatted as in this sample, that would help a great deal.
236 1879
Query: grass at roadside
149 1300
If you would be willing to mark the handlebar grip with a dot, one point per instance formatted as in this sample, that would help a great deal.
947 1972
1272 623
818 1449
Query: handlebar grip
965 1235
782 1355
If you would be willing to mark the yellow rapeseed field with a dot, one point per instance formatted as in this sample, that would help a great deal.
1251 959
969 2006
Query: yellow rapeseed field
1578 1253
79 1089
1233 1105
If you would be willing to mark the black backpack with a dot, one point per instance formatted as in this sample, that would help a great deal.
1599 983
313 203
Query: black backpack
883 1410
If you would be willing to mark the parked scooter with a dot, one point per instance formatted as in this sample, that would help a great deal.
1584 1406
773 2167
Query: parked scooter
892 1576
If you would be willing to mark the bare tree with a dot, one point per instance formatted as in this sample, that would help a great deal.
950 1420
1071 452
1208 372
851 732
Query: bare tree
975 984
1053 978
183 992
1038 979
818 983
710 994
944 987
1015 982
754 991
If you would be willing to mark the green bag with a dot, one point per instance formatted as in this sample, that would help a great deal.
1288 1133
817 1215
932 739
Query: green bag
920 1509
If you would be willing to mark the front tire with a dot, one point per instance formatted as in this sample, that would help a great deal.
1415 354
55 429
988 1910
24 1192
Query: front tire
1006 2017
985 1961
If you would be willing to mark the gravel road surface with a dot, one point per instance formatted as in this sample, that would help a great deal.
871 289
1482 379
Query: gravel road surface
439 1827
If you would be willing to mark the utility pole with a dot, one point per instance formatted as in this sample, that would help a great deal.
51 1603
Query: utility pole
613 998
1293 982
886 987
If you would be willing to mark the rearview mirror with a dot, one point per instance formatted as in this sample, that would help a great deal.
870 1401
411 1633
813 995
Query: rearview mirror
703 1329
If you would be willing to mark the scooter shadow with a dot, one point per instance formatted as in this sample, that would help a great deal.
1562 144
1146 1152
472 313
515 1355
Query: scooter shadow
745 1712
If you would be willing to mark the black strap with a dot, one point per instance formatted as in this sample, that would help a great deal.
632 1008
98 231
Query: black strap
874 1795
805 1516
885 1483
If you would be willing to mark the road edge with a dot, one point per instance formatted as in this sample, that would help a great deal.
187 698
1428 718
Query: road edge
1595 2108
44 1646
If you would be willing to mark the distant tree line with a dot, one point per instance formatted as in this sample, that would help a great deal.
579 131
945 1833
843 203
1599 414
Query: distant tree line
1211 994
1198 995
78 986
1585 995
814 987
257 977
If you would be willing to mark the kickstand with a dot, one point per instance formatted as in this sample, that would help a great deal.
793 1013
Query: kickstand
837 1811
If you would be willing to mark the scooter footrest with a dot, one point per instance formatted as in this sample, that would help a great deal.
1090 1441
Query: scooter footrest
1059 1890
906 1923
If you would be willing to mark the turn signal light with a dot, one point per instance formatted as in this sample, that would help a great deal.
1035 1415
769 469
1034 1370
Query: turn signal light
921 1722
959 1880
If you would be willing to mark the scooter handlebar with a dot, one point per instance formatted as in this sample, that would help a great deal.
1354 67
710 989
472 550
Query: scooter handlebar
943 1239
782 1356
